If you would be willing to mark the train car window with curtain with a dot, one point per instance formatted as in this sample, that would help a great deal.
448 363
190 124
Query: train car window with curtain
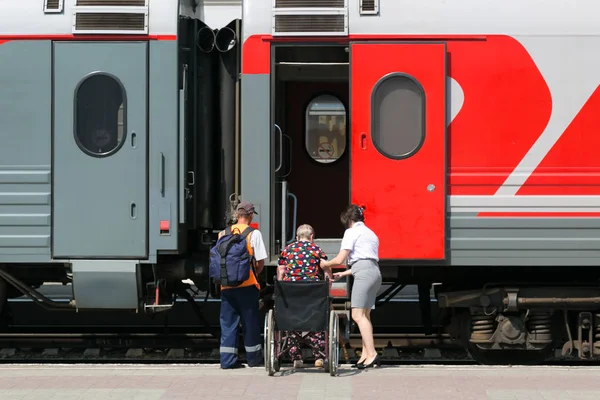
100 115
325 136
398 116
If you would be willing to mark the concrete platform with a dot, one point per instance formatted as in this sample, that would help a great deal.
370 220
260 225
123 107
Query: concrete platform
178 382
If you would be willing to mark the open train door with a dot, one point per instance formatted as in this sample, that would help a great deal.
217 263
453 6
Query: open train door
398 128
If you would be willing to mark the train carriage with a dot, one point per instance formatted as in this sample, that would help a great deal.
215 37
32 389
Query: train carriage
130 127
467 132
99 159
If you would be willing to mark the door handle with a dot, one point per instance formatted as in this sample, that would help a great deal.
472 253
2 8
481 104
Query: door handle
280 148
295 214
161 174
133 210
363 141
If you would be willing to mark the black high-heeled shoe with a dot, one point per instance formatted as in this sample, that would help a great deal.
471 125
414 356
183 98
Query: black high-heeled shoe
357 364
376 361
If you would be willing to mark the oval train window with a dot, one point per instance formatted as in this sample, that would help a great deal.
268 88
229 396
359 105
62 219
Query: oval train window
100 115
398 116
325 129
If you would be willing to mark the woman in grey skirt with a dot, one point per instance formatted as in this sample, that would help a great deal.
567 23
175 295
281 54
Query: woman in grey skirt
360 246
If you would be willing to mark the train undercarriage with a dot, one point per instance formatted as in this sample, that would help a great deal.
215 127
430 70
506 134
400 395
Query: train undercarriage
501 325
526 320
497 322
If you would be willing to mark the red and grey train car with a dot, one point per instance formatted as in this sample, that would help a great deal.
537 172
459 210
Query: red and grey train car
466 129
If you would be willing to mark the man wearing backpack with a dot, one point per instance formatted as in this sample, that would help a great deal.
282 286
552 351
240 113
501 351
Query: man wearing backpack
237 259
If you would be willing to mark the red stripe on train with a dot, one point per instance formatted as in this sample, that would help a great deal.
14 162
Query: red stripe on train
256 55
121 38
349 38
539 214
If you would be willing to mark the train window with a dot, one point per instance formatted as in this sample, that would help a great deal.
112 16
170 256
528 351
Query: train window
398 116
100 115
325 129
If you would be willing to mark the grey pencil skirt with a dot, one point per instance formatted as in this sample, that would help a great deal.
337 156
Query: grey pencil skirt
367 281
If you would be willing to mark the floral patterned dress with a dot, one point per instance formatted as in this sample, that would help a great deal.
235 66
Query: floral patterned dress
301 260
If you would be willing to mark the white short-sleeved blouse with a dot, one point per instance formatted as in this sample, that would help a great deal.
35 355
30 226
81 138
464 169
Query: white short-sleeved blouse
362 243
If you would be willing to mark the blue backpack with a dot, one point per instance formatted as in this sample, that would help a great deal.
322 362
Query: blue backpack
230 261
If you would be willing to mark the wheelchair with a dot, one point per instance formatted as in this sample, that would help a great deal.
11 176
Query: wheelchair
301 306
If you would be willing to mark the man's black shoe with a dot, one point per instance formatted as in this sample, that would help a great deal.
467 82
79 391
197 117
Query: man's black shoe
260 364
237 365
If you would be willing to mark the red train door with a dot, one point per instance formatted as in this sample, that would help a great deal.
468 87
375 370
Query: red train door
398 151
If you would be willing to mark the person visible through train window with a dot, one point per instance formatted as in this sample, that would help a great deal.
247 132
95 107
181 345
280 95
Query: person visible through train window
299 261
241 302
360 246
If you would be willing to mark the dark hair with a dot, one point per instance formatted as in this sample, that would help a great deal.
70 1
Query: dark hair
353 213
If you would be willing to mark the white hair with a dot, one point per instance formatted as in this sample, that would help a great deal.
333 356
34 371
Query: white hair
305 232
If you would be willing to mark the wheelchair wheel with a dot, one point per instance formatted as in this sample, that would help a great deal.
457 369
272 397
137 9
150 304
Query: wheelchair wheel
333 345
272 364
266 343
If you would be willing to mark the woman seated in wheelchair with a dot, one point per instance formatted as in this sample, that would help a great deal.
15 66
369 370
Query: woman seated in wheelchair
300 261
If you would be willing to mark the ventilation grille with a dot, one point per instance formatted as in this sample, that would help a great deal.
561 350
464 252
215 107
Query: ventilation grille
310 18
369 7
110 22
310 4
310 23
110 3
110 17
53 6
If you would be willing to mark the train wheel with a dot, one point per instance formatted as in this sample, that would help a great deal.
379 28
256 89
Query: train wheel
334 348
499 357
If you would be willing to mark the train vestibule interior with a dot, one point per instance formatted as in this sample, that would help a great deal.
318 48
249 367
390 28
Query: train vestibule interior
311 146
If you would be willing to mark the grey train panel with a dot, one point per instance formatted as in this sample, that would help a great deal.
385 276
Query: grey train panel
163 146
525 259
515 241
94 279
100 203
25 80
524 241
470 221
256 147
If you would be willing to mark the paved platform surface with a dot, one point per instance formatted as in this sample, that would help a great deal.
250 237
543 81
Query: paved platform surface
208 382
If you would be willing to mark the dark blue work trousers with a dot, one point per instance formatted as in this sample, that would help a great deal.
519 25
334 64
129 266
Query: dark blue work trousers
240 304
